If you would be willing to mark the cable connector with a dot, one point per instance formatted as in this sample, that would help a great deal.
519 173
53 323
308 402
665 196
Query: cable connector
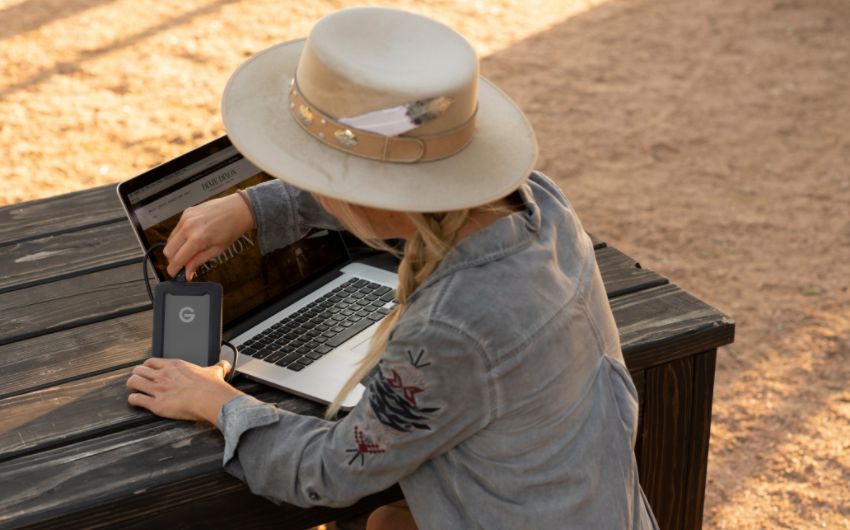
181 275
232 373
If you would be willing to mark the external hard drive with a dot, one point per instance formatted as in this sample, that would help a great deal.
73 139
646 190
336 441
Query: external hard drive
187 321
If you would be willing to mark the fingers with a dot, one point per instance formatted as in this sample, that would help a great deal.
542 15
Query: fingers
142 384
221 368
141 400
188 239
194 253
181 255
149 368
205 231
225 367
180 390
199 259
158 363
145 371
175 239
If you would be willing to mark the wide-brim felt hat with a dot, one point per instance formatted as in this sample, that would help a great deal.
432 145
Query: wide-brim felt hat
304 111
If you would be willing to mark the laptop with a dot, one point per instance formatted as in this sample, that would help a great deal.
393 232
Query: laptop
302 315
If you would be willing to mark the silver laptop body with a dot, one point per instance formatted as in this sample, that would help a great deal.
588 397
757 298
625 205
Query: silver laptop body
322 378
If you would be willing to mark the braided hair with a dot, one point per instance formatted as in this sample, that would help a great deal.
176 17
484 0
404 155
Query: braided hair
434 235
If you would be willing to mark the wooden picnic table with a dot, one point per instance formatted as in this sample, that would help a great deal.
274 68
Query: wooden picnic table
75 318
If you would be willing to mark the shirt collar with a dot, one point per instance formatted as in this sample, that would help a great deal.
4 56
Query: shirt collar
501 238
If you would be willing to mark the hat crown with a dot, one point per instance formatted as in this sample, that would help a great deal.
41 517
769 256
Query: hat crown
360 60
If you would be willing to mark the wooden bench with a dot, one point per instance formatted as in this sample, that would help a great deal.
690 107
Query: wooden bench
75 319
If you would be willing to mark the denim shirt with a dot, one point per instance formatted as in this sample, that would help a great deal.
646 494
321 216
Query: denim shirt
501 401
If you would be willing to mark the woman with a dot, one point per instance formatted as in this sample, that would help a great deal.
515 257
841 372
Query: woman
496 391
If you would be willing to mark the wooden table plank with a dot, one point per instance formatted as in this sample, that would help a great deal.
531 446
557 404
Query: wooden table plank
83 351
218 501
664 323
83 408
62 213
71 302
255 513
47 418
665 448
704 365
51 258
673 445
623 275
98 471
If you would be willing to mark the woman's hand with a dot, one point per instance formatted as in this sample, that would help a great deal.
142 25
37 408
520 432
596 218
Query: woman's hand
177 389
205 231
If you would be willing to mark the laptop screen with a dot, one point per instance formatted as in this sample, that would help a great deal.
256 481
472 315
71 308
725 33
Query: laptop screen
155 200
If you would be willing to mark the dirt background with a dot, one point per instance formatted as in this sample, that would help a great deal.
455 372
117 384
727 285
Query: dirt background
708 139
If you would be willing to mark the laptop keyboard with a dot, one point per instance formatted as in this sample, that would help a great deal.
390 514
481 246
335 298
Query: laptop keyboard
314 330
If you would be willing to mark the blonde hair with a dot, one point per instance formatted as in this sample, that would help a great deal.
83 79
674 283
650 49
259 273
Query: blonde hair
434 235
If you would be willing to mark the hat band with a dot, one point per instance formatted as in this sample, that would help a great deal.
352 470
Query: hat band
366 144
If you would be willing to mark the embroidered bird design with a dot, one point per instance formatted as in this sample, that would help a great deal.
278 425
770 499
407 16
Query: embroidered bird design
408 391
395 404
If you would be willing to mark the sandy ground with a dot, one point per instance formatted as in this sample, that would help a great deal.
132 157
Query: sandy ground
706 138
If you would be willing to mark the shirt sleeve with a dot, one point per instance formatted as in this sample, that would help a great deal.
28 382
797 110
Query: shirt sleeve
429 393
285 214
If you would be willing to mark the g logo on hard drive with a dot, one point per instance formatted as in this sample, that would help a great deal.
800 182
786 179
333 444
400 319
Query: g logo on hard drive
186 314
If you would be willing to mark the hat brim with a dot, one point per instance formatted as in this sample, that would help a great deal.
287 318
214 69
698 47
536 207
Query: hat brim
255 111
